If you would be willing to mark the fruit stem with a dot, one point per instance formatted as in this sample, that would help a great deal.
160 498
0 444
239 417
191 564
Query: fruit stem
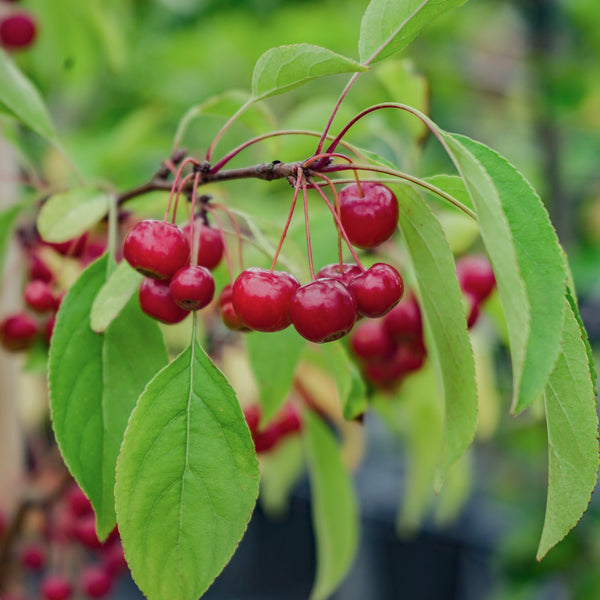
225 248
182 184
176 183
225 127
113 224
287 223
195 237
311 265
338 210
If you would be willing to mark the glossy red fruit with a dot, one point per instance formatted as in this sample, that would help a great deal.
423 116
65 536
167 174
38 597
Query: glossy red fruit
388 374
228 314
403 322
377 290
475 276
95 582
345 272
39 296
18 332
56 587
78 502
17 31
156 301
370 341
156 249
370 216
192 288
323 310
288 419
113 559
261 299
210 247
33 557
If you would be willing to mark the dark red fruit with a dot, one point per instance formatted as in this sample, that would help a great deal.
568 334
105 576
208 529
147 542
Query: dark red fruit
473 308
39 296
285 423
370 341
192 287
389 374
56 587
228 314
95 582
475 276
403 322
261 299
156 302
370 216
113 559
17 332
78 502
17 31
38 269
345 272
73 247
84 532
323 310
377 290
210 248
156 249
33 557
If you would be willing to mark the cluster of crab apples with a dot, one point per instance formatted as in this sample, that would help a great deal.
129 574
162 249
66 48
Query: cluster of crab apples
321 310
18 28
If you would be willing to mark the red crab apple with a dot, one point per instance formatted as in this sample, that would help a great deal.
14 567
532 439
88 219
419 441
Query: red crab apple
370 341
18 331
39 296
228 314
345 272
192 288
475 276
95 582
156 301
403 322
210 246
56 587
17 31
377 290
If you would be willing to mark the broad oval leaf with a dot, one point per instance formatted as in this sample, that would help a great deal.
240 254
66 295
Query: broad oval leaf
284 68
527 260
572 423
187 479
334 507
67 215
444 316
388 25
113 296
95 381
20 99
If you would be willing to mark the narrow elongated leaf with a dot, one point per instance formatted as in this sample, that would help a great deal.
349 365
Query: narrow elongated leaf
444 316
273 358
284 68
388 25
7 222
334 507
67 215
113 296
95 381
187 479
20 99
527 260
572 423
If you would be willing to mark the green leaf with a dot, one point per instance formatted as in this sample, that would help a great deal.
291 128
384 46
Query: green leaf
94 382
334 507
284 68
388 25
113 296
572 423
527 260
20 99
273 359
187 479
67 215
441 303
348 380
7 223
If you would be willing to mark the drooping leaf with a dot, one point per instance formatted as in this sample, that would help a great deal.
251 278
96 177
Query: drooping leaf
94 382
444 317
20 99
7 222
527 260
334 507
284 68
273 358
453 496
113 296
572 423
67 215
388 25
187 479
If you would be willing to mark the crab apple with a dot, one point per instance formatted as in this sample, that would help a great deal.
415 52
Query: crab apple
228 314
475 276
18 331
95 582
33 557
39 296
288 419
39 270
210 246
192 288
261 298
156 301
17 31
84 532
377 290
345 272
113 559
56 587
403 322
78 502
156 249
323 310
73 247
370 341
473 309
407 357
369 214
